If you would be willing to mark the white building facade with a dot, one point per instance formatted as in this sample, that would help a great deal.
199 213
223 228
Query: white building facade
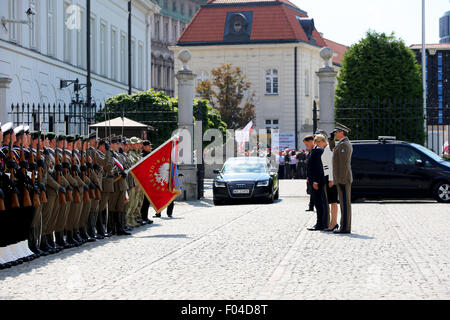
35 57
278 49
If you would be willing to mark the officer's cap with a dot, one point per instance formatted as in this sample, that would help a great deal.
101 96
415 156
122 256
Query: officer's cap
146 143
93 135
26 129
341 127
60 137
101 142
70 138
35 135
134 140
19 131
7 128
115 139
77 137
50 135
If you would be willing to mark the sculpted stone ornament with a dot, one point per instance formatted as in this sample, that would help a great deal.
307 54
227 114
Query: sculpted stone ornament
185 56
326 54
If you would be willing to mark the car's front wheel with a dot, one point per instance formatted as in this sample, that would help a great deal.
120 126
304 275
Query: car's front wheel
441 192
277 194
217 202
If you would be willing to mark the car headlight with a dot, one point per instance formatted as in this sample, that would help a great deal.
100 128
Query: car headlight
263 183
219 184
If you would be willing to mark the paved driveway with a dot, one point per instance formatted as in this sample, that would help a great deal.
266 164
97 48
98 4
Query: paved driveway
398 250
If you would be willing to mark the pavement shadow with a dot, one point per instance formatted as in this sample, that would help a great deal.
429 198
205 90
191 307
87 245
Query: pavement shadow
351 235
28 267
177 236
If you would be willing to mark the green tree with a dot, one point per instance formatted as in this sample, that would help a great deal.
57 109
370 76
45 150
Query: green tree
230 93
159 111
379 90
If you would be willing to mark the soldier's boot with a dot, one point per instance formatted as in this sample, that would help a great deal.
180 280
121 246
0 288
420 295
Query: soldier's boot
91 225
51 243
120 224
84 235
125 225
32 243
71 240
45 248
77 237
111 225
100 225
59 236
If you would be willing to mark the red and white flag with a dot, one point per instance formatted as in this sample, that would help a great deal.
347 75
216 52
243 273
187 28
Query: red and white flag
154 175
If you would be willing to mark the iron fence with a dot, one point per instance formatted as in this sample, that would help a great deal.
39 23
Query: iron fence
74 118
404 119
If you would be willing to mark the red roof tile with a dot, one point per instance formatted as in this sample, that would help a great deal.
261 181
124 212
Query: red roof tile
338 48
273 20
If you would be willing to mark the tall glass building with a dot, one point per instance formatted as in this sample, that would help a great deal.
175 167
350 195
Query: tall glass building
444 28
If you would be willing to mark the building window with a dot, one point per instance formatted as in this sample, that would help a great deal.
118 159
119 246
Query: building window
12 27
133 63
81 43
168 73
174 32
93 41
51 28
123 58
316 86
182 9
158 77
67 36
166 32
307 83
272 81
157 36
272 124
34 27
174 6
103 52
190 12
113 54
141 63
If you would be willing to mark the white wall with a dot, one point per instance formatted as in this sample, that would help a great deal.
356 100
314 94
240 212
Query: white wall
36 73
254 60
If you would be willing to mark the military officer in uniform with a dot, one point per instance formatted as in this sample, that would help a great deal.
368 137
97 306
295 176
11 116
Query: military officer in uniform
342 173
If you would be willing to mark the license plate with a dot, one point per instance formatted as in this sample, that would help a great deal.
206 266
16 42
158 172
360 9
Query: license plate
241 191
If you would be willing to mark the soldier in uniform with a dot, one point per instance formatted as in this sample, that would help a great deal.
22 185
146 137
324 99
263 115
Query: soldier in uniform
25 215
81 168
95 173
36 226
342 173
104 158
133 214
8 244
117 204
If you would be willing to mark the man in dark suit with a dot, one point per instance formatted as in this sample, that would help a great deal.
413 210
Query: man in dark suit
316 180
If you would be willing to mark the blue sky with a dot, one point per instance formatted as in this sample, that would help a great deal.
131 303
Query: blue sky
346 21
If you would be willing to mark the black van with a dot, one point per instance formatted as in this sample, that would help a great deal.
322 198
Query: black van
390 169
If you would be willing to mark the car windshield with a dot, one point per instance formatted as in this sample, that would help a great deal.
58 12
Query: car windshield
428 152
244 167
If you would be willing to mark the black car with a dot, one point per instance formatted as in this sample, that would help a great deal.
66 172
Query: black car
245 178
390 169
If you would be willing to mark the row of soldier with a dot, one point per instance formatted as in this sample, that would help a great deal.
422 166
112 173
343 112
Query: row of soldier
60 191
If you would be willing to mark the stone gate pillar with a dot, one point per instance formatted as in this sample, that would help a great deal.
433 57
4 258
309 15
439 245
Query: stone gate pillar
327 82
186 81
4 86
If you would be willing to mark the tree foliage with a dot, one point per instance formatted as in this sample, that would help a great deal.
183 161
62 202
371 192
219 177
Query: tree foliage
230 93
159 111
380 89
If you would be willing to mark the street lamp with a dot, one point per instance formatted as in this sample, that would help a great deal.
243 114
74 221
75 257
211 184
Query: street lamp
424 79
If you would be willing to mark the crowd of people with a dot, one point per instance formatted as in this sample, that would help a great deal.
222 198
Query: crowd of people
61 191
292 164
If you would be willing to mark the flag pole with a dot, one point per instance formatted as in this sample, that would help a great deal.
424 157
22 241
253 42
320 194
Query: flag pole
424 70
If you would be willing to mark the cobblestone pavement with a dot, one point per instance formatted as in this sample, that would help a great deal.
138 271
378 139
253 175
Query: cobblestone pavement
398 250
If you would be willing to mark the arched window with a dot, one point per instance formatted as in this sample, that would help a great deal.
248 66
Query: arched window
272 81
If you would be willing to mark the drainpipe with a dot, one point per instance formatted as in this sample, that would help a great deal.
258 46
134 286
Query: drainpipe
296 98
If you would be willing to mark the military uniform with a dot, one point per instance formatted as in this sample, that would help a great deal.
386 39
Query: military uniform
343 178
95 174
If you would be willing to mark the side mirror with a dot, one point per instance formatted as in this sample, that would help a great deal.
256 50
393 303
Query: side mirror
419 163
216 171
